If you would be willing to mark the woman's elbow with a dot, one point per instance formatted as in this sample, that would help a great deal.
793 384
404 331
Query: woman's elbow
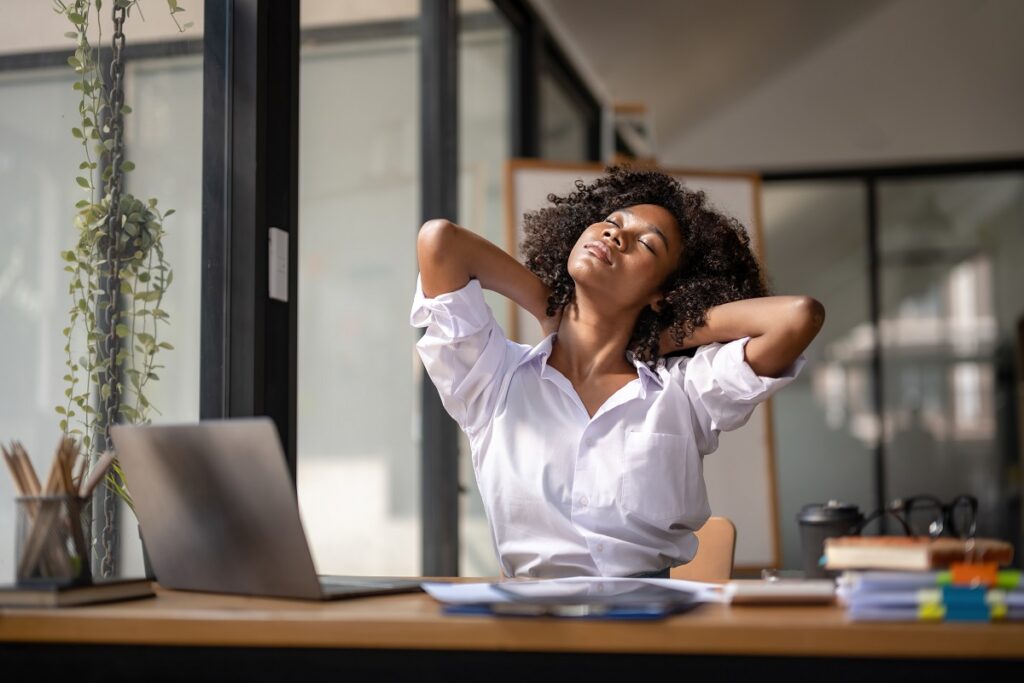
437 244
434 234
807 316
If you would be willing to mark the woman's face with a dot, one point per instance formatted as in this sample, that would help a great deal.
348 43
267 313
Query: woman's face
623 260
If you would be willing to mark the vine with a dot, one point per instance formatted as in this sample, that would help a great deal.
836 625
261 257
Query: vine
143 272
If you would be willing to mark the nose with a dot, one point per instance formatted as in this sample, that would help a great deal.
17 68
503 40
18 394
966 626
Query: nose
613 233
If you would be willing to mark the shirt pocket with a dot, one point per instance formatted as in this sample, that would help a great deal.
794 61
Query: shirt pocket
657 481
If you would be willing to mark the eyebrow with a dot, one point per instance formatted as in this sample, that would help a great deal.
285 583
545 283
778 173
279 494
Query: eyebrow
650 228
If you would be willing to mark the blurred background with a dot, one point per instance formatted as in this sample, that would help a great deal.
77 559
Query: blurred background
888 138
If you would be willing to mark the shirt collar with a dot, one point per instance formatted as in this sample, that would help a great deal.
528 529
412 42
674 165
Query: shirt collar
647 373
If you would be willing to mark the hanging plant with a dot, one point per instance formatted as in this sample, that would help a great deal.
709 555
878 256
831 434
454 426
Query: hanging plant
118 271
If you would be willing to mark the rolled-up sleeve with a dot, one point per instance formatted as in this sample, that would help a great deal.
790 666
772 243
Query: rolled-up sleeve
464 351
724 390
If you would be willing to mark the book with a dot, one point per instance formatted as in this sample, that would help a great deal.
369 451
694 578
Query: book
931 595
910 553
880 581
927 596
55 596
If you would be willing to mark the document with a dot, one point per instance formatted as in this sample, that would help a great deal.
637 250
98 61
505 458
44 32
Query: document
490 593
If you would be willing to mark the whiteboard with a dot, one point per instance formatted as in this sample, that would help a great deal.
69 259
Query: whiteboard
740 475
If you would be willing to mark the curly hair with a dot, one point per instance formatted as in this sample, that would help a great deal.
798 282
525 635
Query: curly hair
717 265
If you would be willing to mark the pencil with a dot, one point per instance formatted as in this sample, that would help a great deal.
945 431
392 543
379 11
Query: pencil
28 470
15 471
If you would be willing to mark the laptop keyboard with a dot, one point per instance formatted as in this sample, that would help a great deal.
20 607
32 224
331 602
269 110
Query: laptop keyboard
362 585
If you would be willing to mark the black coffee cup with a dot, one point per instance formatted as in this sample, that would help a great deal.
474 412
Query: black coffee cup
820 521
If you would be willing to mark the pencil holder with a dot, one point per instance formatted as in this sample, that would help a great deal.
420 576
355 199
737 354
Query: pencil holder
51 541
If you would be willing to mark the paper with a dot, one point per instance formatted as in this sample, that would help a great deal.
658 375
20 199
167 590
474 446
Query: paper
464 593
781 591
477 593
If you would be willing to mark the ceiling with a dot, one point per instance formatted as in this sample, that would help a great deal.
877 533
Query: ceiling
687 59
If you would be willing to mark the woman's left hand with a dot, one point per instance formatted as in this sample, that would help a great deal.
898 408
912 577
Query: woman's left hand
549 324
700 336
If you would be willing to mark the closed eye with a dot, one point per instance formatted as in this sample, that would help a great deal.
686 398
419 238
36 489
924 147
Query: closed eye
649 248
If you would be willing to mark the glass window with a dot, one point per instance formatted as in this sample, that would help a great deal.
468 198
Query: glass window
358 384
824 223
952 339
951 250
563 123
484 145
164 137
39 160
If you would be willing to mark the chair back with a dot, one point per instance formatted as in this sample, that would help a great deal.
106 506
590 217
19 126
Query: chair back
714 558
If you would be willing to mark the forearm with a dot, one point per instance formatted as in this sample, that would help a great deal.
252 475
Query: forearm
780 329
449 256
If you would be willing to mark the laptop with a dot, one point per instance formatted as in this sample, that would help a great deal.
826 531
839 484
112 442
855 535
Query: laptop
218 511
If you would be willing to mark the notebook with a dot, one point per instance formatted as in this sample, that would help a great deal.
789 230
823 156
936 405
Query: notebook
219 513
904 552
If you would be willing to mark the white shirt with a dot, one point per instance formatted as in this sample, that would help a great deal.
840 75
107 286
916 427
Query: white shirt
570 495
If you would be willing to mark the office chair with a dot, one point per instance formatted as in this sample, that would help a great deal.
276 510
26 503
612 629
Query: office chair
714 558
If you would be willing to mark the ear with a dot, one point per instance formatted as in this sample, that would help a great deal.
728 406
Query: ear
655 303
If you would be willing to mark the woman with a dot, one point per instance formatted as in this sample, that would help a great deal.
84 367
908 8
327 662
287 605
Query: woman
588 447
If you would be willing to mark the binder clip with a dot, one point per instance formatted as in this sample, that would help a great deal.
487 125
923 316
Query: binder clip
974 574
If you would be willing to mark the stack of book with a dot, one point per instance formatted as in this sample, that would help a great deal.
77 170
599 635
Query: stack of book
906 579
930 596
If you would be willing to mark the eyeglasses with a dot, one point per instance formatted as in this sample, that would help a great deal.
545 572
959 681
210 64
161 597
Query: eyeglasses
928 516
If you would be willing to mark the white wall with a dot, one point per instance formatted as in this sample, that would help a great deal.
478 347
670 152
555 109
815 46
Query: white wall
915 81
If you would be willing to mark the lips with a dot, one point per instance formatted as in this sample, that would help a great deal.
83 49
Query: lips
599 250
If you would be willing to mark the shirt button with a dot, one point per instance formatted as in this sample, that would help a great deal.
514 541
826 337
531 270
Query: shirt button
589 442
584 501
600 547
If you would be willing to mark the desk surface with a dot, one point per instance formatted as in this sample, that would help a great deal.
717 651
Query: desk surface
414 621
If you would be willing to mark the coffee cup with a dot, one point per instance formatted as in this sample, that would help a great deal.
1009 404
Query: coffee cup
820 521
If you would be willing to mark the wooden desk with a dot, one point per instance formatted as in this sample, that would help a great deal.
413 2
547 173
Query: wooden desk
408 633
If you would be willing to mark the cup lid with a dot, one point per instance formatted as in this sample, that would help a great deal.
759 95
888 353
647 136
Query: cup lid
824 513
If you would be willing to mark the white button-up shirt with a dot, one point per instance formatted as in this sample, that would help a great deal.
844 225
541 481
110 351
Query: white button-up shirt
567 494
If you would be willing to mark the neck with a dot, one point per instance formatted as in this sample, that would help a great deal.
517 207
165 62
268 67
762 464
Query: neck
590 344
